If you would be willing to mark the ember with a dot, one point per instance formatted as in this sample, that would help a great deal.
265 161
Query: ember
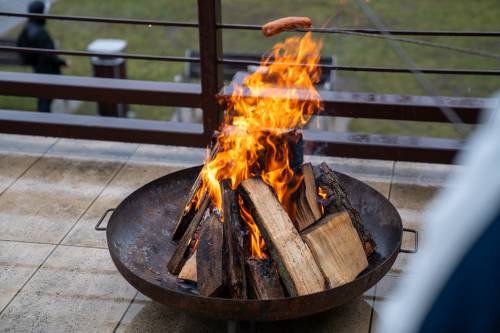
255 183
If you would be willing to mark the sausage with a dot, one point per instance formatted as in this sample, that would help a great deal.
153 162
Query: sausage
286 23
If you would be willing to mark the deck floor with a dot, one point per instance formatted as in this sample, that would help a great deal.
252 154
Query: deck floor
55 271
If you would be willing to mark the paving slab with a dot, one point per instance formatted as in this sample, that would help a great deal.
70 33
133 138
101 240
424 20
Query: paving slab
145 315
91 149
130 178
384 295
171 155
50 197
25 144
76 290
18 261
413 187
12 166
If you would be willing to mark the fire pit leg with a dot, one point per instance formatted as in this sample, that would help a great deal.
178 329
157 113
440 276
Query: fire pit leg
240 327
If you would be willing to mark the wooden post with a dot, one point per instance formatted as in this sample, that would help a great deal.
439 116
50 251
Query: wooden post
210 37
296 264
233 236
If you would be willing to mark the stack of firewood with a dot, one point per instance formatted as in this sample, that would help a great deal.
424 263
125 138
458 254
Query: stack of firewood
324 245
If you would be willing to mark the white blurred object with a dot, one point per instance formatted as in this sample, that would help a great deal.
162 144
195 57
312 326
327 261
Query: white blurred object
453 225
48 3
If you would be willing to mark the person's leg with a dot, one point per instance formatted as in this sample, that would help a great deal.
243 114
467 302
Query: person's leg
44 105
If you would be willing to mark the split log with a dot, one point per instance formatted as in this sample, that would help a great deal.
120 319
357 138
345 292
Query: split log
300 273
337 248
233 236
210 258
339 201
263 279
180 254
189 210
308 210
188 272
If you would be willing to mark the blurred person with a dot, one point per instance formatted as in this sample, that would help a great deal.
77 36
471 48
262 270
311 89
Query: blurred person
455 281
35 35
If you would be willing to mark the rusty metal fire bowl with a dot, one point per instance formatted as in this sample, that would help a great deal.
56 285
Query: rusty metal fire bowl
139 241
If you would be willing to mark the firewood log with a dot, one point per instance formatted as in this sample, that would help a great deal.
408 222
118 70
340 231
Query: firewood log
180 254
327 179
210 268
263 279
296 265
235 255
337 248
186 215
308 210
188 272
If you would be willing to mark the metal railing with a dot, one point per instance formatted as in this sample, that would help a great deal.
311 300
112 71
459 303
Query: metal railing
203 95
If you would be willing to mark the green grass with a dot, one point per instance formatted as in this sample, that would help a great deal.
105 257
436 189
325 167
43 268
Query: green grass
350 50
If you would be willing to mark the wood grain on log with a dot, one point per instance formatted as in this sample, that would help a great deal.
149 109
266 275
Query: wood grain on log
337 248
210 258
308 210
235 255
296 265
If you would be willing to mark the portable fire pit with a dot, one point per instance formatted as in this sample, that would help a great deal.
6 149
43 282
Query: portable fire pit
139 239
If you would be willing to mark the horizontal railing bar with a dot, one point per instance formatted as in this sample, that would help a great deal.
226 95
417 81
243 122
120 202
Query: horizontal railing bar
375 31
98 54
416 149
100 89
444 71
234 26
383 106
103 19
382 147
102 128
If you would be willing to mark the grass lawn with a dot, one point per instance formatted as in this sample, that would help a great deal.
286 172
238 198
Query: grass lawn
350 50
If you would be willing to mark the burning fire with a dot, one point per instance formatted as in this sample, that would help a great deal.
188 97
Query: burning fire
323 194
250 141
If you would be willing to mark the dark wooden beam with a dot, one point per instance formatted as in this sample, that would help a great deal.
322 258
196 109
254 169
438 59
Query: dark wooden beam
210 37
385 106
102 128
100 89
383 147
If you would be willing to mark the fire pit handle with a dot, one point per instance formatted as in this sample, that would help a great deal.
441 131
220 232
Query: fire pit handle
415 249
98 225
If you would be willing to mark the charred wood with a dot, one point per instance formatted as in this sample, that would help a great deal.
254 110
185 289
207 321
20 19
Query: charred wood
233 235
339 201
210 258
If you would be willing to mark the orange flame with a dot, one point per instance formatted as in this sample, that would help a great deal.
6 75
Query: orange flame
257 243
323 194
251 138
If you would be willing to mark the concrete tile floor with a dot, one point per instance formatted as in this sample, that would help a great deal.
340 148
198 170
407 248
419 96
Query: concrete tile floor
55 271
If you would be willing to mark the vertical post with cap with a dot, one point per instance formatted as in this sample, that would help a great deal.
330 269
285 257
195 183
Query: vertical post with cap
210 38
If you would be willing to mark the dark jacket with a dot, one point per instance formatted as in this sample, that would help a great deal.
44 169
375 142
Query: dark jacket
35 35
